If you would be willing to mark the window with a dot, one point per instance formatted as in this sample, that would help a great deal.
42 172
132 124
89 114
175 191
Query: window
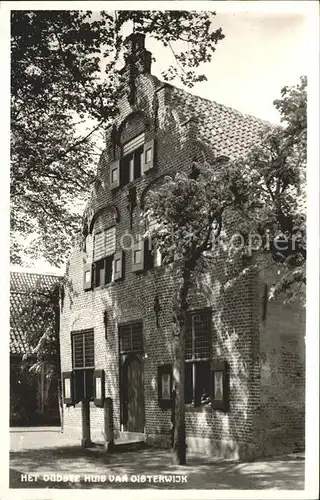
131 162
137 159
82 349
131 338
82 344
197 355
104 252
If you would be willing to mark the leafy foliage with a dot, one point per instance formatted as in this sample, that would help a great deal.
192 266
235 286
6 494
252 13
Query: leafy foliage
64 75
275 201
39 318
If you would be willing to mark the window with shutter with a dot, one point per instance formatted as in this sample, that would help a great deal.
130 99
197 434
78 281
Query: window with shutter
104 250
197 356
82 346
82 349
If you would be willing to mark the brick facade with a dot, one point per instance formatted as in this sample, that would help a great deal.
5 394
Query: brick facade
252 348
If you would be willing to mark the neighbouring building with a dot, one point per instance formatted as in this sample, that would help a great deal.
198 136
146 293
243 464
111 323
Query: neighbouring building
245 361
33 396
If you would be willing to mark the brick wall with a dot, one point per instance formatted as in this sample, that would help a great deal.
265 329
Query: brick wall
235 313
280 424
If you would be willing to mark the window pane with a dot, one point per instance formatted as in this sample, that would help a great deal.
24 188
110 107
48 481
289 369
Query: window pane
188 383
125 338
131 338
137 163
109 264
78 350
203 383
87 276
202 335
83 350
125 170
89 349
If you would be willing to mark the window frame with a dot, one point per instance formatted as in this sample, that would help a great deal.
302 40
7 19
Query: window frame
106 261
194 361
83 333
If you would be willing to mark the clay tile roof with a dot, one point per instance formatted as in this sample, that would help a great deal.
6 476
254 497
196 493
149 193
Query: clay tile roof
21 284
227 131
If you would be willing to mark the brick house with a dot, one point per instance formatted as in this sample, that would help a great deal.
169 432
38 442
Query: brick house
244 359
33 397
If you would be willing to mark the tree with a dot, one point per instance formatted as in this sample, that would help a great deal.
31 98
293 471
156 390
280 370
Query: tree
64 75
188 215
40 319
275 202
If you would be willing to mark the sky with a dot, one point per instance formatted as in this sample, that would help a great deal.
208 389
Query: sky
265 48
260 54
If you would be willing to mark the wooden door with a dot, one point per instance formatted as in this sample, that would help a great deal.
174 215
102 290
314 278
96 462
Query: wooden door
135 396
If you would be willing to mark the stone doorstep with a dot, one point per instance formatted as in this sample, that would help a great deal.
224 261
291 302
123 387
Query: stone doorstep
125 441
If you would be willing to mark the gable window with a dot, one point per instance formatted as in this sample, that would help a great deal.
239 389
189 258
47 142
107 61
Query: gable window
131 161
104 252
197 359
137 158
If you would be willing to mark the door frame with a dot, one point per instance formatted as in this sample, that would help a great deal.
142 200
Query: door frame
123 366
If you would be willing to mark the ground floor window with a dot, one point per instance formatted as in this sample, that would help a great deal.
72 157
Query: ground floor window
198 358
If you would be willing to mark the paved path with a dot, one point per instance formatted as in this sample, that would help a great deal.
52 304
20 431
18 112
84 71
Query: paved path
50 453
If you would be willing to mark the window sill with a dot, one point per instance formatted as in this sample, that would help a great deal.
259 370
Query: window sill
102 287
198 409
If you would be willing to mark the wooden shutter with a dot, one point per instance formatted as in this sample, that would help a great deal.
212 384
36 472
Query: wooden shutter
115 174
110 241
148 156
165 398
104 243
220 385
99 250
87 277
98 387
118 265
68 388
138 249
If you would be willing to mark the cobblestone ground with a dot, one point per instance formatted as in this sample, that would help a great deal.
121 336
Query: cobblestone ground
48 453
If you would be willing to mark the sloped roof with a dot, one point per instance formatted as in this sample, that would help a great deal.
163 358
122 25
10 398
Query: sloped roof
21 285
227 131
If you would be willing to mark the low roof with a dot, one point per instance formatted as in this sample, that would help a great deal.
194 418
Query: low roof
21 285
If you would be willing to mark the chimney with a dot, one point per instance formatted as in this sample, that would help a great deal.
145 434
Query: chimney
137 58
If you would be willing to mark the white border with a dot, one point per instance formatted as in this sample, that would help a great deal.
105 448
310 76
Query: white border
309 8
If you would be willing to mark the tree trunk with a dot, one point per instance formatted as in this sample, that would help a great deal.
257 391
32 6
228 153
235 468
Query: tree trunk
179 431
179 435
60 403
